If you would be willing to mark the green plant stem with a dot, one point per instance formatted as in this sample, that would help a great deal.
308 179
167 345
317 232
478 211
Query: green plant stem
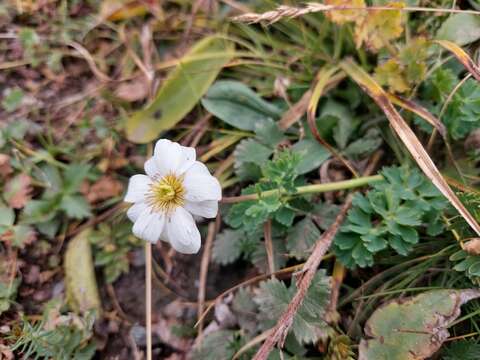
309 189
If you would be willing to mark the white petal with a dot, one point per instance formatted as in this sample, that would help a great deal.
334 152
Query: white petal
151 167
149 225
206 209
200 185
171 157
182 232
137 188
136 210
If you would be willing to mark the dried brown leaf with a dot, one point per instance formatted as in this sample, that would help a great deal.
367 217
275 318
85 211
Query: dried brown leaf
105 188
18 191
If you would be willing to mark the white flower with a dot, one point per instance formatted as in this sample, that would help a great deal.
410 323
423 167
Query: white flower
175 187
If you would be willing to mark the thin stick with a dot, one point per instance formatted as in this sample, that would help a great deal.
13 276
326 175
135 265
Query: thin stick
148 297
207 251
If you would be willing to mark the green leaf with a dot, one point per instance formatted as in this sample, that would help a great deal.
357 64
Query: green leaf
13 100
413 328
251 151
40 211
226 248
461 29
75 206
308 325
346 125
215 346
181 91
311 153
81 285
7 215
462 350
8 292
301 238
269 133
73 175
238 105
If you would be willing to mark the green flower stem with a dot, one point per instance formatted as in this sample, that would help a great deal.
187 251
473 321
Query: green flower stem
310 189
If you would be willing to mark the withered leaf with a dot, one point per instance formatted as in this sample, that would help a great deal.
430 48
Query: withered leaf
413 328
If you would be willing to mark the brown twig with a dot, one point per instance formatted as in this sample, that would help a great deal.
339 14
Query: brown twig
267 234
207 251
308 272
280 331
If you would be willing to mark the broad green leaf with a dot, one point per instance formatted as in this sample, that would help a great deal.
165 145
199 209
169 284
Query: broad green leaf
413 328
238 105
462 29
182 89
345 122
81 285
311 153
75 206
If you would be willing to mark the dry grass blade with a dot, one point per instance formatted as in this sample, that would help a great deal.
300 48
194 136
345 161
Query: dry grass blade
323 78
290 12
462 56
420 111
296 112
285 321
408 137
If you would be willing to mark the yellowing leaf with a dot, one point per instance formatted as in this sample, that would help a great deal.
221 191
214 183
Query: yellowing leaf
343 16
412 328
391 74
80 282
380 27
183 88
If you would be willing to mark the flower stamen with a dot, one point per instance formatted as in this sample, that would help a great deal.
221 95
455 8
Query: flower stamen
166 194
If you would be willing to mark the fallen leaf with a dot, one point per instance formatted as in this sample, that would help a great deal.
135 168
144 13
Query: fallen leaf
180 92
134 90
390 74
105 188
18 191
80 283
343 16
413 328
472 246
5 167
380 27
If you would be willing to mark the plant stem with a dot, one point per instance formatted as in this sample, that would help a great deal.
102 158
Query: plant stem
148 295
310 189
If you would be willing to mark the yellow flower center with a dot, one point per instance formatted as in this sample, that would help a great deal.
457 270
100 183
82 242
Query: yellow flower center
167 193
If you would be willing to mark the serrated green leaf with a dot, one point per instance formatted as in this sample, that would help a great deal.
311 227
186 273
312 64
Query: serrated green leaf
75 206
226 248
13 100
74 175
273 298
180 92
301 238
